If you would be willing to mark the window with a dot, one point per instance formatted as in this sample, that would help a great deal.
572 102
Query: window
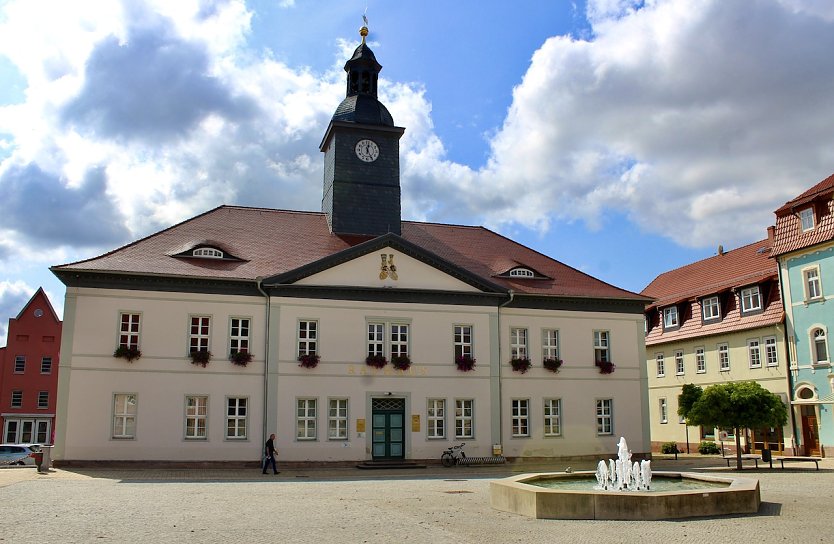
813 287
236 411
711 308
521 273
124 415
209 252
700 361
239 335
670 317
518 343
723 357
376 339
464 415
820 346
661 365
436 418
550 344
46 365
337 419
754 354
750 299
17 398
43 400
601 347
605 413
521 417
19 364
199 334
308 335
463 340
679 368
771 356
399 340
196 417
553 417
305 423
806 219
129 328
664 412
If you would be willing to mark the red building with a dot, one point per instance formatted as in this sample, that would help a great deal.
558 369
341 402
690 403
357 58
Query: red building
29 373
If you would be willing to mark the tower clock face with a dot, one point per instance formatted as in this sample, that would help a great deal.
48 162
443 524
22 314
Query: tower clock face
367 150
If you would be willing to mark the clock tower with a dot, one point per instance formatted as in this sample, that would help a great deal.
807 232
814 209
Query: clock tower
362 155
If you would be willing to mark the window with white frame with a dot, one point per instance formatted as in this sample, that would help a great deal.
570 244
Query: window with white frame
46 365
43 400
208 252
605 416
813 287
751 299
710 308
308 336
670 317
436 418
602 348
399 340
19 364
337 419
522 273
124 415
553 417
464 418
463 340
550 344
820 346
196 417
723 357
771 356
376 339
700 360
305 419
17 399
664 412
521 417
679 368
754 353
239 334
236 417
661 365
806 219
518 343
129 330
198 338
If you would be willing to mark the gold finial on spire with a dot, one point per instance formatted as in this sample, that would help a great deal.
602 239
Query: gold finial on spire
364 30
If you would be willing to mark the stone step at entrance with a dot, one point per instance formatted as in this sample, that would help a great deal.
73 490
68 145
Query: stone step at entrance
389 464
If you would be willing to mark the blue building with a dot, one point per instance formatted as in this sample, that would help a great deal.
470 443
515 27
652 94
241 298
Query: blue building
804 249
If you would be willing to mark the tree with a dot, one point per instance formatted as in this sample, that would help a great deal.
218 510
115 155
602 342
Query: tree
736 405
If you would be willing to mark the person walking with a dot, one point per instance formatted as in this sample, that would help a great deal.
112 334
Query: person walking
269 454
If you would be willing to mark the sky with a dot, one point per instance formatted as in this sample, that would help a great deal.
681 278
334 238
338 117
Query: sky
624 138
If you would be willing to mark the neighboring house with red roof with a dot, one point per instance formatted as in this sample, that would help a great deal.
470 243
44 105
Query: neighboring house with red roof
354 332
29 373
804 250
714 321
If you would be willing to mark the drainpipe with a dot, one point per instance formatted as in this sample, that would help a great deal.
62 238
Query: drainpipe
795 433
511 294
258 281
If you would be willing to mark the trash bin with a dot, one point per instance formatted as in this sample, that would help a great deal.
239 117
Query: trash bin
766 457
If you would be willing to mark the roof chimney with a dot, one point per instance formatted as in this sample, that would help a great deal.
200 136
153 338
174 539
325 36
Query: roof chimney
720 249
771 234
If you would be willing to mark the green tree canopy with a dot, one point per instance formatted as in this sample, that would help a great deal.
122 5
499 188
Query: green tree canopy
686 400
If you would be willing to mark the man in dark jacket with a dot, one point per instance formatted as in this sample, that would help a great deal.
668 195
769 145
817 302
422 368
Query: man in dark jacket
269 454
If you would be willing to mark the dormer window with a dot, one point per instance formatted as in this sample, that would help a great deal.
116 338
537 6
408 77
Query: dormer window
711 308
751 299
207 252
806 219
670 317
522 273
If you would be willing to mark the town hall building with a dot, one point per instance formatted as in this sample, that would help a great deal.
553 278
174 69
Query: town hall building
352 334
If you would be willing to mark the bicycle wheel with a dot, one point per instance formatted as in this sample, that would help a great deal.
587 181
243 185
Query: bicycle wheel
447 459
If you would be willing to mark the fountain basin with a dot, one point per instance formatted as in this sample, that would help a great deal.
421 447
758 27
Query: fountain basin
518 495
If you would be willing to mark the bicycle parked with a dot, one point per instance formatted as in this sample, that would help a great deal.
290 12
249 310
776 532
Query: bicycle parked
453 455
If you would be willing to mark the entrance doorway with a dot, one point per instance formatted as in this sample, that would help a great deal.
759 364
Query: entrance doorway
26 431
388 429
810 431
770 438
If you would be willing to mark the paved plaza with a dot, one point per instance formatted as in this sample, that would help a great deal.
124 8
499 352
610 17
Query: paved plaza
433 505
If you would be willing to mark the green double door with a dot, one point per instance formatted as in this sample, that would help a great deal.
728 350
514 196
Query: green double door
388 428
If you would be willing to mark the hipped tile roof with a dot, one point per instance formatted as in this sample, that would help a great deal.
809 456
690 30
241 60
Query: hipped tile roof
789 235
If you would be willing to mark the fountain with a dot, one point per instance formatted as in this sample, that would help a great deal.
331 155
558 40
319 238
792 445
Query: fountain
624 490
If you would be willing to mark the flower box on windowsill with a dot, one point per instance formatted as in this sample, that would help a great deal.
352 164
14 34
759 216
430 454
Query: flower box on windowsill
521 364
606 367
126 353
401 362
201 357
552 364
309 360
376 361
465 363
240 358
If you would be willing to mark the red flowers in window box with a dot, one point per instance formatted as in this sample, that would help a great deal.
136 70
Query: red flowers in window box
200 357
126 353
553 364
521 364
376 361
606 367
240 358
308 360
400 362
465 363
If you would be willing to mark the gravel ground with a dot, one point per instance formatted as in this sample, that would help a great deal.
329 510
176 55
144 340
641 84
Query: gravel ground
432 505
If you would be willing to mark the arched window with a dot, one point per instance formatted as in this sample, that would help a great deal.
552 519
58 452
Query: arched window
522 273
819 346
208 252
805 393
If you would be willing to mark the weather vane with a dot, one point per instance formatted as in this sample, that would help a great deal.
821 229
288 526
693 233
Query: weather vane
364 30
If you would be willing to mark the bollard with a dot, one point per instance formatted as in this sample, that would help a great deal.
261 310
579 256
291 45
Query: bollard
46 459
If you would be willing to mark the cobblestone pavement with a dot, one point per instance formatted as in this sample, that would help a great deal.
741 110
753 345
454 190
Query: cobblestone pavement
433 505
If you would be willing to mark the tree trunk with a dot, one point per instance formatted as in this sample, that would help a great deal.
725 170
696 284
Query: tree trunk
738 448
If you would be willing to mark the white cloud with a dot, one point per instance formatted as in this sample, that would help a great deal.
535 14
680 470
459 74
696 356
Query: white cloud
13 295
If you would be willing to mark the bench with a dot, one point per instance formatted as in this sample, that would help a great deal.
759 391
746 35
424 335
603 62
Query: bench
744 457
798 459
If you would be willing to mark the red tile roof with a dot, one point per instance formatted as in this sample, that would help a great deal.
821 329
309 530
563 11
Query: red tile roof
789 235
271 242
